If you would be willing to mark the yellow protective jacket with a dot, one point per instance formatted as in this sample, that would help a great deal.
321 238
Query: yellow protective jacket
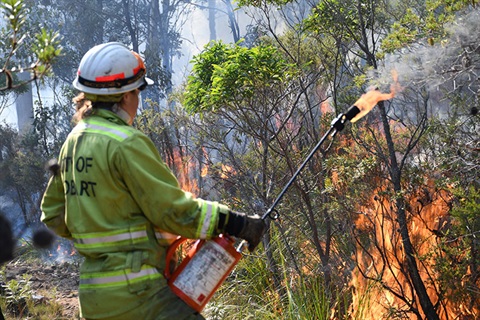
122 207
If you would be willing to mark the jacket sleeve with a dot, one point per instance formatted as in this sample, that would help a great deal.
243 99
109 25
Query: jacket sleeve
53 207
161 199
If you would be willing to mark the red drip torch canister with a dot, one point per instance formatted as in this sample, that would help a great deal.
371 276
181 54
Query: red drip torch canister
203 270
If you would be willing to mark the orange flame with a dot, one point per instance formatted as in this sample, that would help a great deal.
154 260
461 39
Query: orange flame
204 172
370 99
381 269
205 168
226 170
184 168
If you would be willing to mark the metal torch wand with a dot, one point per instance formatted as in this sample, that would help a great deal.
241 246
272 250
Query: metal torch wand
337 125
359 109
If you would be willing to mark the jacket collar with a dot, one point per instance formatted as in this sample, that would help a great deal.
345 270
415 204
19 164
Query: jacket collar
116 117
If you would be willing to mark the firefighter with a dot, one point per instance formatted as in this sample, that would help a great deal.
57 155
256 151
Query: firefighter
112 195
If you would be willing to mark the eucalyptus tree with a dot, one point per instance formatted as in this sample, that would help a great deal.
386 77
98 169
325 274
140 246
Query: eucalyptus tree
450 65
325 79
31 50
360 26
151 28
358 23
244 96
275 120
24 48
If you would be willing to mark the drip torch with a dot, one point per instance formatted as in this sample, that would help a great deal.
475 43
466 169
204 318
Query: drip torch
209 263
359 109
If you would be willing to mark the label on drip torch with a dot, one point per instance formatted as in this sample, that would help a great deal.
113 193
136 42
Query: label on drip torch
204 271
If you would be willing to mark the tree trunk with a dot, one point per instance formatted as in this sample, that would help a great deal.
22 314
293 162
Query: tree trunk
232 21
129 25
212 7
413 273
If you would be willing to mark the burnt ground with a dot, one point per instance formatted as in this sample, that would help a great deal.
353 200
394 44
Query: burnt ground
49 282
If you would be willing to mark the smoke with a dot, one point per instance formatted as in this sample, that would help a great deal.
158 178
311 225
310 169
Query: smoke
452 65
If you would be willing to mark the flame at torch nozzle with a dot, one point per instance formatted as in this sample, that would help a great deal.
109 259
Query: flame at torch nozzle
370 99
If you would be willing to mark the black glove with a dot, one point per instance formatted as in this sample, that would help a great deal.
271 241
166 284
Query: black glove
249 228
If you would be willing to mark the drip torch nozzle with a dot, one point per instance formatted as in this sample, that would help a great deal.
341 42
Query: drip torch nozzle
339 122
352 112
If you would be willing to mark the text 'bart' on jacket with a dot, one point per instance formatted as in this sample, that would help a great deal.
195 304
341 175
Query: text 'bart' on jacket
78 187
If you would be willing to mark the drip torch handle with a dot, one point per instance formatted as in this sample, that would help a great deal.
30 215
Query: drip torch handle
337 125
170 254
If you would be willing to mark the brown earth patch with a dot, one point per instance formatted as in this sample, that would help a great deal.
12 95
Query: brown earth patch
56 281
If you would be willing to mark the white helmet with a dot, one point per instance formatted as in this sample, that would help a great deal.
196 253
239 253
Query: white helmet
111 68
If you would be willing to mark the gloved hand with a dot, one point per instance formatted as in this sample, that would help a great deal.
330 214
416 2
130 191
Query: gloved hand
253 231
249 228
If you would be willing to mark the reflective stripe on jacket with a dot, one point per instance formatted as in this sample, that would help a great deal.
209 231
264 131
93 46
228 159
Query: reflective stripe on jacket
122 207
117 278
116 238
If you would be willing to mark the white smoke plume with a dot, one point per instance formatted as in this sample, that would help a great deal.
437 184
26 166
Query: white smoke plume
447 66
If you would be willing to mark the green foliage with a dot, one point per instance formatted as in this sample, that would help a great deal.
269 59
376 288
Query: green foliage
224 74
306 296
402 33
426 21
18 300
451 144
249 292
16 294
459 265
334 14
246 294
345 20
466 212
22 161
260 3
21 44
200 81
232 77
47 48
15 11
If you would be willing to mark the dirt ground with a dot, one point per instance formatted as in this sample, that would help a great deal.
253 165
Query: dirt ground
57 279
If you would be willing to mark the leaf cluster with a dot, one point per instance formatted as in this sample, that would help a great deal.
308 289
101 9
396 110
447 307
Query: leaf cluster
332 15
17 293
426 21
225 74
459 265
22 49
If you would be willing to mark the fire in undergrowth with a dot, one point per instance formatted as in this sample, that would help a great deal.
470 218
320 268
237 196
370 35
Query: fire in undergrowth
185 168
381 285
64 252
